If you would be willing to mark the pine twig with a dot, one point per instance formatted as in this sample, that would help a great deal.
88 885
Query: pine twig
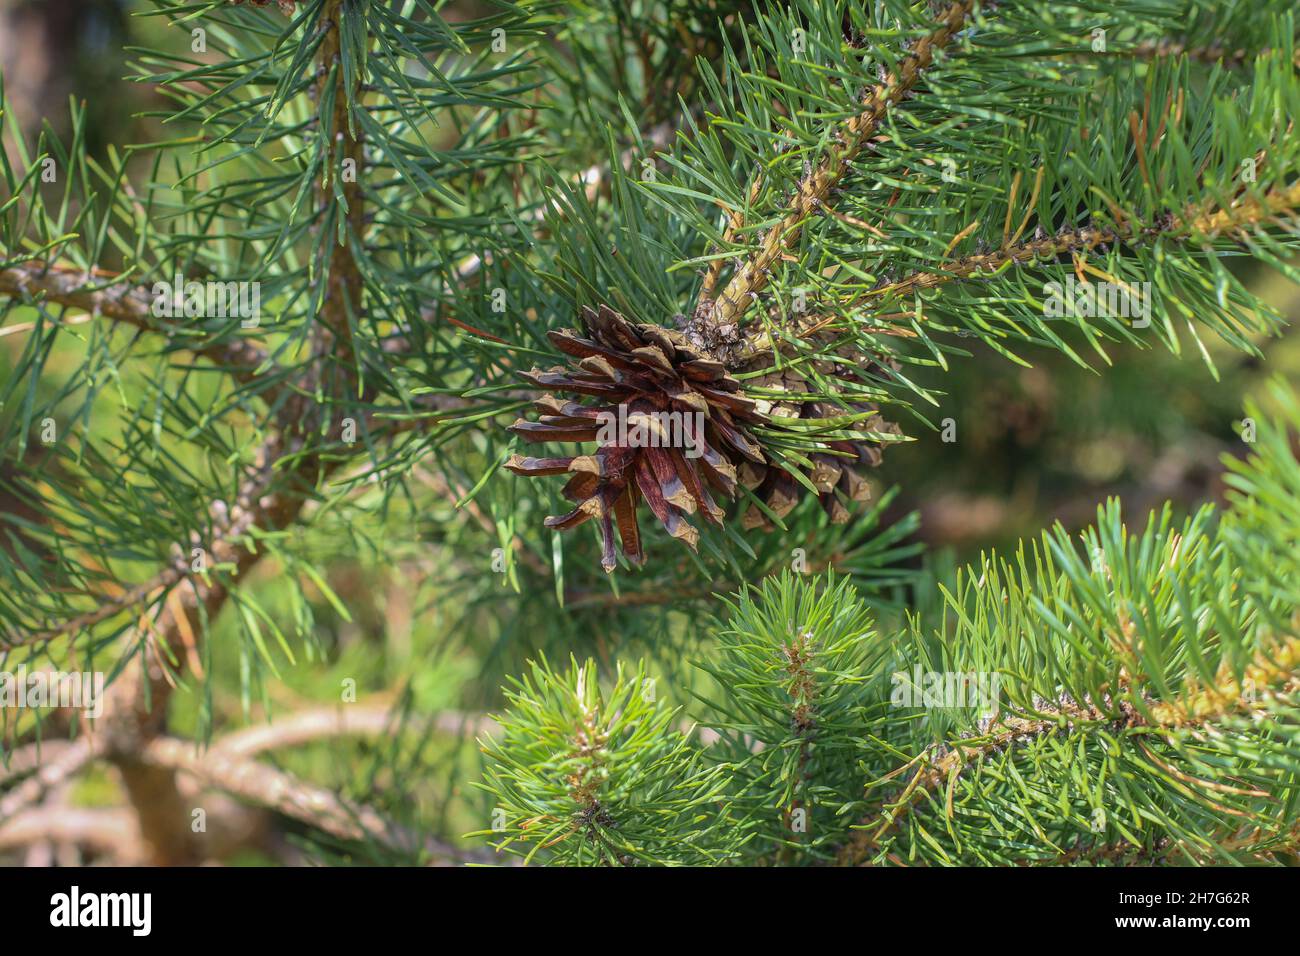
119 302
1213 53
1192 223
1279 668
110 607
1195 222
341 307
51 774
255 506
315 806
815 188
138 722
348 720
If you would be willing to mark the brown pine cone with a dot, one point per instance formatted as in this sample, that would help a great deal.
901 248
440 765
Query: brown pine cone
684 427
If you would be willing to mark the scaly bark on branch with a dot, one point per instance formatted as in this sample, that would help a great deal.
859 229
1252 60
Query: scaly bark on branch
97 294
1194 223
109 832
815 188
1277 667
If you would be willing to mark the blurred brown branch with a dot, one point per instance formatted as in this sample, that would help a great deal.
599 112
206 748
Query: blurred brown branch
112 833
346 720
316 806
51 773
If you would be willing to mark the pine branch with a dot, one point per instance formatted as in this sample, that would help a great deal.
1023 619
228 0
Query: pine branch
584 776
341 308
110 607
349 720
1193 225
111 833
262 505
380 283
315 806
30 757
1236 57
1147 694
284 476
1277 668
815 188
100 294
52 773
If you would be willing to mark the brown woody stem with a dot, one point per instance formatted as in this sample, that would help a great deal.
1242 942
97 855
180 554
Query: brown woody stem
1277 667
1194 223
343 293
120 302
815 188
279 791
